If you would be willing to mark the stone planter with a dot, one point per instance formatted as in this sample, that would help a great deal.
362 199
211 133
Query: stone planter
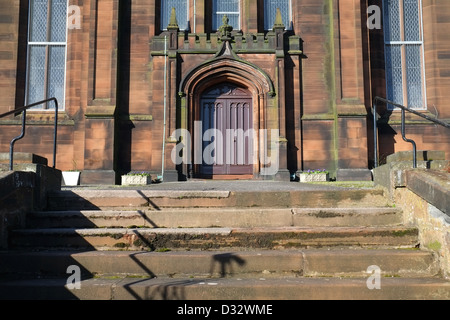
71 178
134 180
314 177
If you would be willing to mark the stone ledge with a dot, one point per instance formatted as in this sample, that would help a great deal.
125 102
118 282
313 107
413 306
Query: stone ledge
424 155
16 199
11 180
431 185
354 175
392 174
23 157
99 177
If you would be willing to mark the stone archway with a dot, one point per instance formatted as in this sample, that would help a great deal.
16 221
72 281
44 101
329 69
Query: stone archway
226 115
227 68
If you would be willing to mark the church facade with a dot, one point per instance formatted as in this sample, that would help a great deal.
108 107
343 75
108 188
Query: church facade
223 89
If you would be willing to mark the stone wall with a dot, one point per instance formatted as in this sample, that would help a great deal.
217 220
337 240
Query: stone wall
436 17
16 198
424 196
433 223
326 75
23 190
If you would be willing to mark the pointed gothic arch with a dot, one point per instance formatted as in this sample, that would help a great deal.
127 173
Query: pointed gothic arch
227 67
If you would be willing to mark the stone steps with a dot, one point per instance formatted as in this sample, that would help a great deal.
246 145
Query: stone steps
212 238
255 291
202 228
217 217
95 199
310 274
314 243
328 262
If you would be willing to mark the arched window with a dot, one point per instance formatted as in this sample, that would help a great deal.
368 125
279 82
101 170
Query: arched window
403 48
46 65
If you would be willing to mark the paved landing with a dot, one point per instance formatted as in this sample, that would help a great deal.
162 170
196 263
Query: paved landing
237 185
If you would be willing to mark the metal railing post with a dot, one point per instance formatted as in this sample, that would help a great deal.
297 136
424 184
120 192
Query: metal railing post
409 140
13 141
375 133
24 115
55 132
403 124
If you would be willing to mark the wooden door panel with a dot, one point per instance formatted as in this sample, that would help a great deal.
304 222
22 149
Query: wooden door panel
227 128
239 148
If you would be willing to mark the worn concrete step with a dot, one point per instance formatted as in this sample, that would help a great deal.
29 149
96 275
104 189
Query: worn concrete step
289 288
217 264
217 217
213 238
94 199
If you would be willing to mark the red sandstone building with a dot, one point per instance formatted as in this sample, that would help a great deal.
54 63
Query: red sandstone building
136 78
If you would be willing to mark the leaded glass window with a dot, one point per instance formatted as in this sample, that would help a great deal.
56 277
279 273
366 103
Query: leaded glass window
46 52
230 8
270 10
404 52
181 10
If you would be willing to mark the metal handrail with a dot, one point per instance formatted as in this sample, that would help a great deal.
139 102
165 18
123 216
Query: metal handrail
403 108
22 134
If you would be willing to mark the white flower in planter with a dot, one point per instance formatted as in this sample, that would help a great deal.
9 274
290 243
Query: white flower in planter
71 178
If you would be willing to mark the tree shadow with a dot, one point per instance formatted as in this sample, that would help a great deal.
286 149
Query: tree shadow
50 254
174 289
225 262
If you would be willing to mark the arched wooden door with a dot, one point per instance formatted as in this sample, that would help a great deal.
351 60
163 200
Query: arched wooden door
227 128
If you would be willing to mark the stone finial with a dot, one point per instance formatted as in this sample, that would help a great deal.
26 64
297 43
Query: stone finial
225 29
278 20
173 23
225 20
